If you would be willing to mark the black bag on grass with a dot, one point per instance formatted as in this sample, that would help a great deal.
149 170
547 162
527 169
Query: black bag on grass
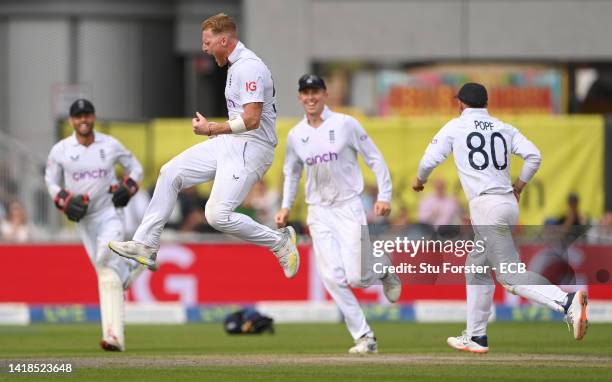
248 321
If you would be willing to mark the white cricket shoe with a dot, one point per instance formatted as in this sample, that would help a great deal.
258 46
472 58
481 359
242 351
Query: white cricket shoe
392 286
288 255
111 344
135 251
576 315
365 345
470 344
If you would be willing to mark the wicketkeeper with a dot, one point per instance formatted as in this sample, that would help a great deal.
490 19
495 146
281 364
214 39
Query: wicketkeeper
80 177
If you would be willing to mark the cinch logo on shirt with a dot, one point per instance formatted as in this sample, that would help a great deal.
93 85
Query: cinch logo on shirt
93 174
327 157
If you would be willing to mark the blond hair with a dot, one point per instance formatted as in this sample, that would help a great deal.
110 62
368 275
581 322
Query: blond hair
220 23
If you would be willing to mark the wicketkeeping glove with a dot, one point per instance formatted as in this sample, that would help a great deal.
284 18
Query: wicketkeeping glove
123 192
74 206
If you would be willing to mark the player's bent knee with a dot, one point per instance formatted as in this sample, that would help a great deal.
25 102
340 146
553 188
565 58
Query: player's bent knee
171 174
333 284
217 217
508 282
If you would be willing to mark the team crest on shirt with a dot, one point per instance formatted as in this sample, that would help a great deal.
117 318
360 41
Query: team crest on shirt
102 154
305 140
332 136
74 157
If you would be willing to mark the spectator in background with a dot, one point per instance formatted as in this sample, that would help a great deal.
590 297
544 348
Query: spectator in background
572 216
264 202
398 224
16 227
573 223
602 232
438 208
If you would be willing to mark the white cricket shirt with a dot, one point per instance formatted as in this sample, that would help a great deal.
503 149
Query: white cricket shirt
89 169
481 146
249 80
329 153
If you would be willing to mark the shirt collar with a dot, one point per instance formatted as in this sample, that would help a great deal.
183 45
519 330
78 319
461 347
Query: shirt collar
472 110
73 140
325 114
236 53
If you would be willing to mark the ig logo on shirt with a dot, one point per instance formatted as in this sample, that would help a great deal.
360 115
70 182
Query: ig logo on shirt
251 86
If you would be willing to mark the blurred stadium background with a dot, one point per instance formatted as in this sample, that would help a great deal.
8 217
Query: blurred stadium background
393 64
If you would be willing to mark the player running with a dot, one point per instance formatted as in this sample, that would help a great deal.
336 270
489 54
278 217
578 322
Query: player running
238 156
327 143
80 177
481 146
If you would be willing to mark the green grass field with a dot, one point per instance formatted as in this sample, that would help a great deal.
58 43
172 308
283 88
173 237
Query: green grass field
408 351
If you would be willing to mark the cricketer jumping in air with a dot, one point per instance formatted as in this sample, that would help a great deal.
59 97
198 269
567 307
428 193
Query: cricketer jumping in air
239 155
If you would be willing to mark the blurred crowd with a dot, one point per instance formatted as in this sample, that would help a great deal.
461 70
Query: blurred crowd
14 224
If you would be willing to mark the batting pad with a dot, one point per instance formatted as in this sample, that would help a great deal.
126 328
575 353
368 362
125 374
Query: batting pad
111 306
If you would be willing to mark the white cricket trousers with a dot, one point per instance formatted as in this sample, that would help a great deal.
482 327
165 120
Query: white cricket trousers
96 230
336 238
235 164
492 217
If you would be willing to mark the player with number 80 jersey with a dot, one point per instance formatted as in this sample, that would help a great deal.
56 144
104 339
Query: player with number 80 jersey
481 145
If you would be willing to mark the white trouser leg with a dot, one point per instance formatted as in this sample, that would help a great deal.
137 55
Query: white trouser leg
111 307
96 232
241 164
479 295
112 270
479 308
349 222
195 165
328 254
493 216
235 165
